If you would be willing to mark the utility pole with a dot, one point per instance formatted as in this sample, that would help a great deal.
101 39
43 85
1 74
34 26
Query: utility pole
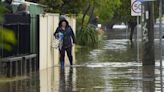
160 43
148 57
162 6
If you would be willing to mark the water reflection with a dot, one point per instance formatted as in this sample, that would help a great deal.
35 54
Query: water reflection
62 81
66 83
119 78
20 84
58 80
148 74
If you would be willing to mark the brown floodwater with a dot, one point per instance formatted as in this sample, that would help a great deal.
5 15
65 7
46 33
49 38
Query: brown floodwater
110 67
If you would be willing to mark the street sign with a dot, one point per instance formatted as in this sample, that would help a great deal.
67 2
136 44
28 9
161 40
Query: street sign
136 7
147 0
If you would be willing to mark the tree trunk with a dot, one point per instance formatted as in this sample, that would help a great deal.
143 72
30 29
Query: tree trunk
85 13
148 34
148 73
91 14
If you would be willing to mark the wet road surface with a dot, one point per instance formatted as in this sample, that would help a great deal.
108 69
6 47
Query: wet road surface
110 67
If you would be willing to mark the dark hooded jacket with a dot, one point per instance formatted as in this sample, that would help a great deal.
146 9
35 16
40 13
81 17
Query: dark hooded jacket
69 36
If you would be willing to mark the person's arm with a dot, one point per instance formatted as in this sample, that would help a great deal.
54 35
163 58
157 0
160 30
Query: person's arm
55 34
72 35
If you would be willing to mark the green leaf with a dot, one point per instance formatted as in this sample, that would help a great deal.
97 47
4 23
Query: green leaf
7 39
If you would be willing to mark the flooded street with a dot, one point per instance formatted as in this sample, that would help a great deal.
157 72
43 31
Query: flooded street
110 67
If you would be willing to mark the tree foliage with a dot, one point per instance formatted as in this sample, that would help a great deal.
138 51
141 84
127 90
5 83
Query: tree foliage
104 9
123 12
7 37
63 6
107 9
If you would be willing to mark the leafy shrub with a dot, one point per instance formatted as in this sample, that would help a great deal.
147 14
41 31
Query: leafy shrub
7 38
87 37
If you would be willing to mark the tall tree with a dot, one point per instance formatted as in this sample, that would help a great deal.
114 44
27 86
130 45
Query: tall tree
123 14
107 9
63 6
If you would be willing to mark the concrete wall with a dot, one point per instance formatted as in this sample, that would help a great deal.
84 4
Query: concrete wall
49 56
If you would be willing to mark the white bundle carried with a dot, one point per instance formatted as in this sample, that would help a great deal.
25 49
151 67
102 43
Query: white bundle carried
58 41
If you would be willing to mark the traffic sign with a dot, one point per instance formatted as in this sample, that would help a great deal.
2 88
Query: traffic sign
147 0
136 7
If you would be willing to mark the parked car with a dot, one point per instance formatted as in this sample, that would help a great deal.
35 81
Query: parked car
120 26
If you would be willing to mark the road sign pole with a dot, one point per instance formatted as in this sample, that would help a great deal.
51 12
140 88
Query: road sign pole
138 42
136 11
138 50
160 44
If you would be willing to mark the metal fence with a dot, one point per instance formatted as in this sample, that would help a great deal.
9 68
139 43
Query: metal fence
20 25
20 60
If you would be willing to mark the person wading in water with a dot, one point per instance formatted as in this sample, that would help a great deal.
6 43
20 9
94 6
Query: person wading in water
65 34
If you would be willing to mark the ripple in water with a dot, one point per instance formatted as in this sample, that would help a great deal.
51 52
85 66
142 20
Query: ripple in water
116 44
